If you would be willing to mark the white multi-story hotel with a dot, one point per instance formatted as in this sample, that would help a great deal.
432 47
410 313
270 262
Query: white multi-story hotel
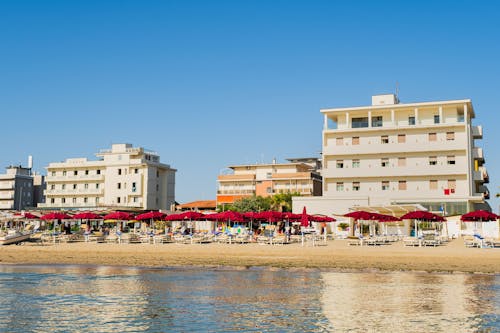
124 177
390 153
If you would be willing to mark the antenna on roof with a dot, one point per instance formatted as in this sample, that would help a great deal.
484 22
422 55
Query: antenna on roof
397 92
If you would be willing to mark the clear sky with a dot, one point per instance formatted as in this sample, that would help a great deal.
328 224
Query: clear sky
209 84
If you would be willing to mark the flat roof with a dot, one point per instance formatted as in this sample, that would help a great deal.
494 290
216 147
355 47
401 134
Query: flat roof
399 106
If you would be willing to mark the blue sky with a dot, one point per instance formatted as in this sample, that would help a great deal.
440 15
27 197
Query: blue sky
209 84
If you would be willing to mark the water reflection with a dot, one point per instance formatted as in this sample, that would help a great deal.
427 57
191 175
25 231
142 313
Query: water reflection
114 299
411 302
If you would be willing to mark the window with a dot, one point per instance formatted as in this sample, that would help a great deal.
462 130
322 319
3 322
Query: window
402 185
433 184
133 187
118 199
452 185
63 186
359 122
136 170
401 161
401 138
98 172
74 186
157 173
355 186
432 137
436 119
96 200
385 185
97 186
158 188
384 139
411 120
355 163
124 185
74 200
119 185
450 136
85 200
86 186
355 140
340 164
269 175
432 160
377 121
119 171
52 200
340 141
268 189
53 173
384 162
460 116
450 160
64 173
75 173
136 199
340 187
86 172
63 200
52 187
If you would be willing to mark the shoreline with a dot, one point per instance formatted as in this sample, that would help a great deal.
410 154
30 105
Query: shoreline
336 256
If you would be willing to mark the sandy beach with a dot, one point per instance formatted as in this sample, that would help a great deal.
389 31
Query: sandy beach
337 255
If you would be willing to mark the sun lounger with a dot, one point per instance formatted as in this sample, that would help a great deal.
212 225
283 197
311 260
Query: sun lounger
411 241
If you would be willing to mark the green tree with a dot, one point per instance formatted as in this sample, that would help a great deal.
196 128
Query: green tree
283 201
250 204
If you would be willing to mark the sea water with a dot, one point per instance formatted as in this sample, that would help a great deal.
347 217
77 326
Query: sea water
54 298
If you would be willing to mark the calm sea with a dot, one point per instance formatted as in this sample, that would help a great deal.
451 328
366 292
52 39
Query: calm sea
117 299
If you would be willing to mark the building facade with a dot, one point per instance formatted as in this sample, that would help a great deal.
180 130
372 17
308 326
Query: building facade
269 179
124 177
19 188
390 153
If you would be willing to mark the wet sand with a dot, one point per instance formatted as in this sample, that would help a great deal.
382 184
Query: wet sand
337 255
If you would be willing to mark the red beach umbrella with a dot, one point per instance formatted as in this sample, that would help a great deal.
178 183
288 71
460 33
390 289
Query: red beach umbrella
192 216
269 216
232 216
423 216
150 216
479 216
55 216
304 219
362 215
118 216
87 216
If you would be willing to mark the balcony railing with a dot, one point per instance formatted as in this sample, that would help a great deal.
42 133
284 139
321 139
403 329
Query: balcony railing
70 192
6 205
477 132
236 192
73 178
8 186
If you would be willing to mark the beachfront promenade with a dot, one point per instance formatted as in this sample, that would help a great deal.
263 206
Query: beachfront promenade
337 255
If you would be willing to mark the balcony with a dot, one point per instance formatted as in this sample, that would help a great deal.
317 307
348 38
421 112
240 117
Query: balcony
235 192
477 153
477 132
6 186
478 176
71 192
7 195
65 205
376 147
229 178
72 178
294 175
6 205
376 170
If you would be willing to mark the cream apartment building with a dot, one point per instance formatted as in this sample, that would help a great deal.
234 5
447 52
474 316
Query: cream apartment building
391 153
267 179
123 177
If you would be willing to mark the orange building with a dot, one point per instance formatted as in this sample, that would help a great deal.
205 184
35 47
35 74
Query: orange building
299 175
